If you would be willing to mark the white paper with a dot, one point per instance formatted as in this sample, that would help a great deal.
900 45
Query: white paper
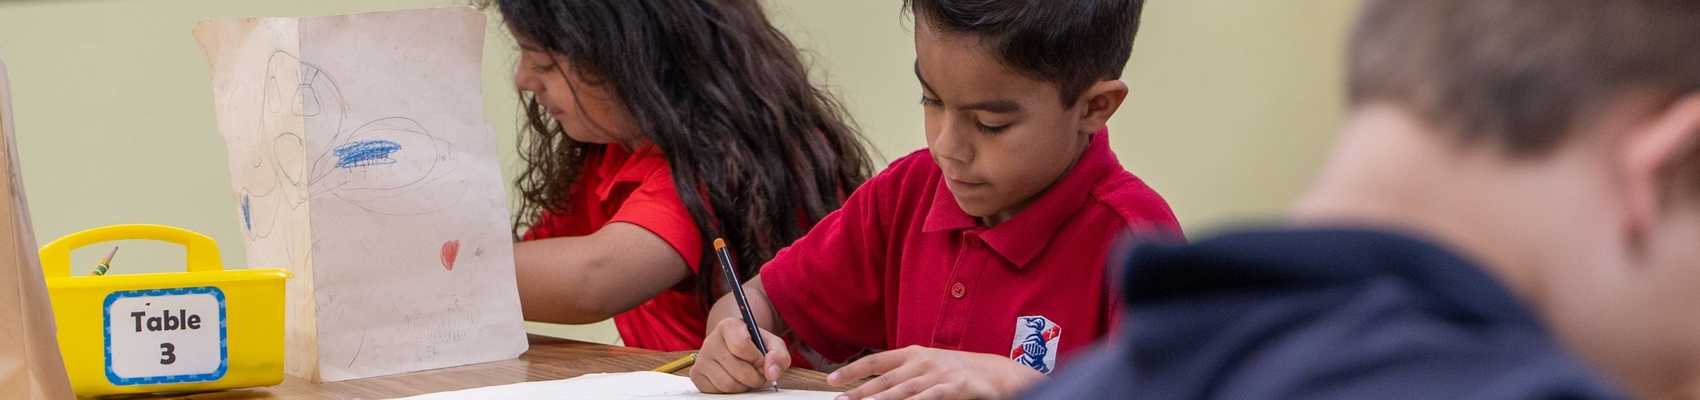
360 160
629 385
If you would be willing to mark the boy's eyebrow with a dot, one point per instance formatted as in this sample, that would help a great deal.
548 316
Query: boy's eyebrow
991 106
995 106
918 77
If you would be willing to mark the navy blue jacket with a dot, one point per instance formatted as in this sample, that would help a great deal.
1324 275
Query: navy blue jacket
1321 314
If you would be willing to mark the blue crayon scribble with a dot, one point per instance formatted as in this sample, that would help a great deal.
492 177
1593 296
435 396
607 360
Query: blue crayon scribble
247 220
365 153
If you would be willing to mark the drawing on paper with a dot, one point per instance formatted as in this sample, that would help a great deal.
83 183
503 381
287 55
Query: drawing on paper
365 153
451 251
365 164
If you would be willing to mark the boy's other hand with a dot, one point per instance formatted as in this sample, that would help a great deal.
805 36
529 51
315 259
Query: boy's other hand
730 363
917 372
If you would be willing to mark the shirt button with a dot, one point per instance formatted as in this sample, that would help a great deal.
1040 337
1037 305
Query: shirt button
976 241
957 290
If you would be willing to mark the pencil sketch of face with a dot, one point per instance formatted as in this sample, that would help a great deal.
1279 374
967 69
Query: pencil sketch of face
370 164
283 113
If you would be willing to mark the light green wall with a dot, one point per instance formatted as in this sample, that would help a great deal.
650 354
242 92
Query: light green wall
1233 104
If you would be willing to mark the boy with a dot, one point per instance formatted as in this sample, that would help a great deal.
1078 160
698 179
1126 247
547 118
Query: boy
979 260
1512 212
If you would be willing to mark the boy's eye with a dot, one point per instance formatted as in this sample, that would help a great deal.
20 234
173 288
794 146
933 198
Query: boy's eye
991 129
542 68
931 102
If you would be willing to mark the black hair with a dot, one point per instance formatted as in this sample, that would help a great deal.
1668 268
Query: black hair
758 153
1070 43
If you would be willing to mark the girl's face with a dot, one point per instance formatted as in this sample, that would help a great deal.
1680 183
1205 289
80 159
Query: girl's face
588 111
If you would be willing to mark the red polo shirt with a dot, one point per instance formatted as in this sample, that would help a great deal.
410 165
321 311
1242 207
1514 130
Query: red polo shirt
901 264
616 185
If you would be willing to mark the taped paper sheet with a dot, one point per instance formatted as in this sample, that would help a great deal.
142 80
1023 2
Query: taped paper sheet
360 160
630 385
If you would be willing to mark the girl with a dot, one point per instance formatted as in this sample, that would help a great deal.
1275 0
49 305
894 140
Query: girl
654 127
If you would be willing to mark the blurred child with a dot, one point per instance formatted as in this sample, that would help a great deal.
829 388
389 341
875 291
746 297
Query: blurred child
1512 212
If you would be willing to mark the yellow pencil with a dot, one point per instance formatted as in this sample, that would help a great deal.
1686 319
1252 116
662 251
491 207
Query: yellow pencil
100 269
678 364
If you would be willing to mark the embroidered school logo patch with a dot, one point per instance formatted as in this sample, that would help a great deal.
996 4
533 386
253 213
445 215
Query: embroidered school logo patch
1035 344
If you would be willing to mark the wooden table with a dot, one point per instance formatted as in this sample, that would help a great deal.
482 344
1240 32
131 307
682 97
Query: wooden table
548 359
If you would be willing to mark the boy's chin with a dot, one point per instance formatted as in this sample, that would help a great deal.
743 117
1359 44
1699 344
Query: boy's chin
977 209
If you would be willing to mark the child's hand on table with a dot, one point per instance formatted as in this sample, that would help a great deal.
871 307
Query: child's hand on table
917 372
730 363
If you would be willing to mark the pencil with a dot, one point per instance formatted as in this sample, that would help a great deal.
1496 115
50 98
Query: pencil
678 364
738 294
100 269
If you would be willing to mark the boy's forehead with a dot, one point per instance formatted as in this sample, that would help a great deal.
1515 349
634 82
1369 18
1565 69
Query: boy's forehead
963 50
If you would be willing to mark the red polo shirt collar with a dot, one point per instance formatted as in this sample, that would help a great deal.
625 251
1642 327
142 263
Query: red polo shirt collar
1020 239
619 165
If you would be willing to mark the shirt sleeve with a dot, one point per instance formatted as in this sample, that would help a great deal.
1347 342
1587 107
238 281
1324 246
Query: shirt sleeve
830 285
655 206
552 225
540 229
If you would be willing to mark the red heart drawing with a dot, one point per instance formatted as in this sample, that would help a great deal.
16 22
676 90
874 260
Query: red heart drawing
451 249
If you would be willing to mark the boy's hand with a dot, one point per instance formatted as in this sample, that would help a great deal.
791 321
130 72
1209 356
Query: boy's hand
917 372
730 363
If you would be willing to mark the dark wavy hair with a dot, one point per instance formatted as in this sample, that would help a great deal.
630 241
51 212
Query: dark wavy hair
758 153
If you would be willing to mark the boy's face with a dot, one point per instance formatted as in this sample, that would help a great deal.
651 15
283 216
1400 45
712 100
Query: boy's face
1001 138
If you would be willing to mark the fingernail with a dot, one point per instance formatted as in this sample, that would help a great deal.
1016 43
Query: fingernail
832 377
841 397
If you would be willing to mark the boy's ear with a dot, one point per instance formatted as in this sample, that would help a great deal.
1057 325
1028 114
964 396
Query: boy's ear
1656 153
1101 101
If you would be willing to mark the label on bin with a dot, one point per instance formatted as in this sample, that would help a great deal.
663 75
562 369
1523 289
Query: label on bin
166 336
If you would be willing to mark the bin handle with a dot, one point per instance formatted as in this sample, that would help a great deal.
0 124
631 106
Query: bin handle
202 251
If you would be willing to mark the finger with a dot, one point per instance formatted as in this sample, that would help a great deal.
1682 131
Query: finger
714 344
778 356
751 372
705 370
725 382
699 377
874 364
747 375
907 374
937 392
710 377
903 390
737 339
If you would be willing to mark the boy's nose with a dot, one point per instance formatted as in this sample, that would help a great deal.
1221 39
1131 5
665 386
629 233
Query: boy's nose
954 141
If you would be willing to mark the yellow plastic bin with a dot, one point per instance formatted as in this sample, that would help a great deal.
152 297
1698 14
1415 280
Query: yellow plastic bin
203 329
